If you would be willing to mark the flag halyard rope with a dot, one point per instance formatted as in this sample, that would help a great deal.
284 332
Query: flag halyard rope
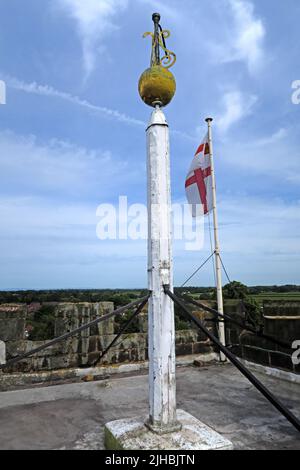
211 247
197 270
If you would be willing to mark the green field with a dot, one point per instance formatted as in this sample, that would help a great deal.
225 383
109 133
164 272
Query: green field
263 296
260 298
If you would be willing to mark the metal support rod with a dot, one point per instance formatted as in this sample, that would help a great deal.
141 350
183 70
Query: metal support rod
216 236
127 324
119 311
233 359
224 316
156 20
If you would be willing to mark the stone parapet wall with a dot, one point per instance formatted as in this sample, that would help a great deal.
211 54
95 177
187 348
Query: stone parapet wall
281 321
13 322
85 349
73 352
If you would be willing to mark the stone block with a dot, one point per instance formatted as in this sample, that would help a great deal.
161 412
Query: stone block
134 340
83 345
123 355
143 322
70 316
234 307
281 308
237 350
17 348
296 368
93 358
186 336
13 311
137 355
281 361
184 349
287 330
70 346
107 327
58 362
24 366
93 344
234 337
12 329
146 354
201 348
2 353
133 434
253 354
61 326
250 339
228 335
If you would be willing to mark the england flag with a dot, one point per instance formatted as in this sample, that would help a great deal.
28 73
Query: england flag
198 183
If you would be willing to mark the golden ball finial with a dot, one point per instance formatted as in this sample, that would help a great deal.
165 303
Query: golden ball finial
157 85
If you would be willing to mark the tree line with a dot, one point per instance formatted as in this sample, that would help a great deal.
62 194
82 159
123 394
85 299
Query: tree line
234 290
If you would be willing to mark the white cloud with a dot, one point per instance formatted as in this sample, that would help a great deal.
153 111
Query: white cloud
55 167
259 241
274 138
260 238
94 20
49 195
249 34
244 38
265 229
237 106
275 156
46 90
54 245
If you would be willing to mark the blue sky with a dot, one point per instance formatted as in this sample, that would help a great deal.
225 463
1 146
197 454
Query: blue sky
72 135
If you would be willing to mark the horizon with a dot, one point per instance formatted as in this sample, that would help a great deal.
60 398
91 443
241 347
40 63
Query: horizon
137 288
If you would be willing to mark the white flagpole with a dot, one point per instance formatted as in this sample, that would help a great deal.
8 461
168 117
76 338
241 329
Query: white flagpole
221 325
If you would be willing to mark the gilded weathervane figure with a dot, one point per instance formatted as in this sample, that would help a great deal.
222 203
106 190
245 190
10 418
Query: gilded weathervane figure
157 85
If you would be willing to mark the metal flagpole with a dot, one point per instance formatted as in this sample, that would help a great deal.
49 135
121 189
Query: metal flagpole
221 325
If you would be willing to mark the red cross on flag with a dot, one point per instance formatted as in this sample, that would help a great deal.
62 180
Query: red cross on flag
198 183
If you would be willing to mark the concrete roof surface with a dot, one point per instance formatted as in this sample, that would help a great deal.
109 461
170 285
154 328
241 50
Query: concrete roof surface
72 416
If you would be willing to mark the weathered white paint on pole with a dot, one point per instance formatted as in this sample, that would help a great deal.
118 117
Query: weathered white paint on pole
2 353
165 429
217 244
162 385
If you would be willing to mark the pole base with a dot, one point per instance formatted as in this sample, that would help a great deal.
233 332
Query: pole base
161 430
133 434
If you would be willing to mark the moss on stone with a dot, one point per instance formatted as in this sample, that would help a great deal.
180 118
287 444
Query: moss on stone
111 442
